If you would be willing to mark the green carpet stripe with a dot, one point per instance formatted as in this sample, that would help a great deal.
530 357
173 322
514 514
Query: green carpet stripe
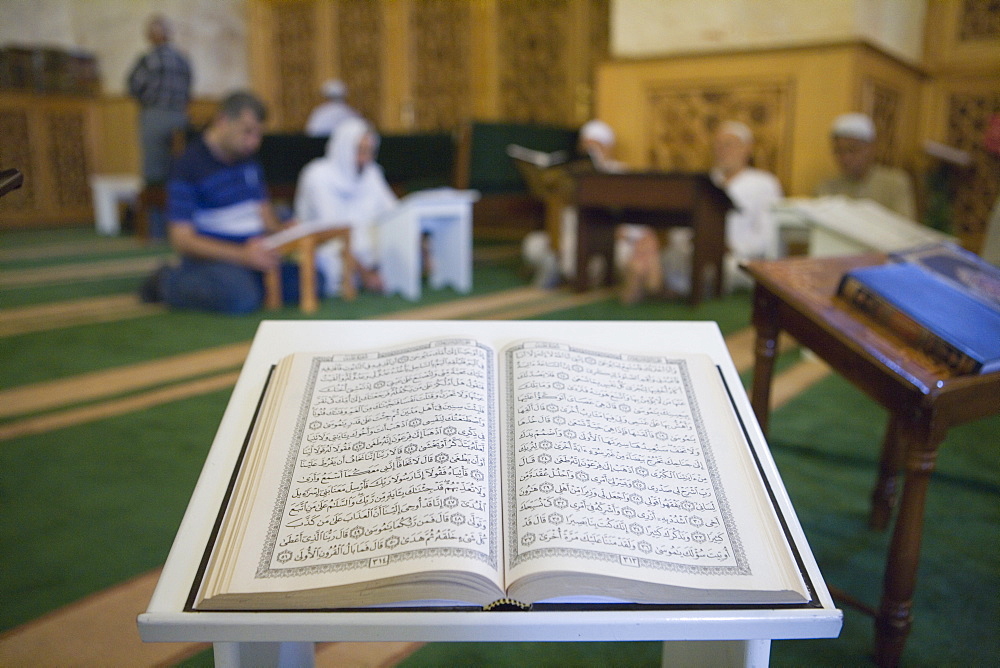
73 249
83 271
132 403
553 303
110 382
65 253
57 315
468 307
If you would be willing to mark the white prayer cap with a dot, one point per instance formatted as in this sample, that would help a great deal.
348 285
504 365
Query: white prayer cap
854 126
738 130
334 88
598 131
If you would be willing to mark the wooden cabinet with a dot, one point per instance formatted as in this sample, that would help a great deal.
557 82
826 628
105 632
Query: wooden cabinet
51 139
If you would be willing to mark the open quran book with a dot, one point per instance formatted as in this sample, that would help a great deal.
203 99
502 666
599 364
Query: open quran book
448 473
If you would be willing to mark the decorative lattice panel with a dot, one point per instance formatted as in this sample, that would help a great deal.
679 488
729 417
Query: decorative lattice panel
683 120
442 82
295 36
979 187
359 35
534 61
882 102
600 32
68 158
979 20
15 153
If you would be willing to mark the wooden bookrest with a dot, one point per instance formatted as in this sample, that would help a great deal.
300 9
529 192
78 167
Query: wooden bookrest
554 187
305 249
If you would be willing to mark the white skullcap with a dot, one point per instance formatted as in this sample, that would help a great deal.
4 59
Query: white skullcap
598 131
854 126
334 88
737 129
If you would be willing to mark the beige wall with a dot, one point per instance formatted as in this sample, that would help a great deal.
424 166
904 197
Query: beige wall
656 28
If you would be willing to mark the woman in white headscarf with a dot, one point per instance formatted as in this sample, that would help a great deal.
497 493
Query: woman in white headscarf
346 188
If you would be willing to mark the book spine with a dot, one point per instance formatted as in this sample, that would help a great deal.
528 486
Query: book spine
878 309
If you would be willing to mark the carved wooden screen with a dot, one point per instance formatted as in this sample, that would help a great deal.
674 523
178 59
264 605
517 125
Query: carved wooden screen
967 33
534 61
67 158
979 19
15 153
47 140
294 36
882 102
978 188
442 78
359 35
683 120
599 19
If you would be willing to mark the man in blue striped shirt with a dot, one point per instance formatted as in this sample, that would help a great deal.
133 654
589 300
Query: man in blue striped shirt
219 213
161 82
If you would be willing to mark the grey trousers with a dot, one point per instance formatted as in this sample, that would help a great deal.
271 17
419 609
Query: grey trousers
156 128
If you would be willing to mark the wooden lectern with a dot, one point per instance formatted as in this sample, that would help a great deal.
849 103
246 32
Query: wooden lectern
659 199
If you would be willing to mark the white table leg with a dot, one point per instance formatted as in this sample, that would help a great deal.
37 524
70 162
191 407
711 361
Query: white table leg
716 653
265 654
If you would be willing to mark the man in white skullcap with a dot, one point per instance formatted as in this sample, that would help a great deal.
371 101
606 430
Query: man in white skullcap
325 118
597 140
853 140
595 149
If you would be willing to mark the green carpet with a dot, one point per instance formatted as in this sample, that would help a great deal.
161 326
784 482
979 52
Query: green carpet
91 505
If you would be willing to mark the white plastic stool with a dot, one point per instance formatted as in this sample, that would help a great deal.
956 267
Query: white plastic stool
108 191
445 215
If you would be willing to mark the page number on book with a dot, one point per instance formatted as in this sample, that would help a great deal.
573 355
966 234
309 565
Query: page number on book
378 561
630 561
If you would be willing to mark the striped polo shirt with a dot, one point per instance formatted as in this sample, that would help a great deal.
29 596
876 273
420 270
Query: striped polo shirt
222 200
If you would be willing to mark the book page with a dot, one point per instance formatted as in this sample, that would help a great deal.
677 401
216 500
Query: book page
386 464
615 466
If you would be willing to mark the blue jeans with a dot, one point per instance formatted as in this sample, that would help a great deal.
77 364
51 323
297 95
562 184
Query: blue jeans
207 285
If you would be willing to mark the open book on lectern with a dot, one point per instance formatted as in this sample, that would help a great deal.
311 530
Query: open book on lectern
455 472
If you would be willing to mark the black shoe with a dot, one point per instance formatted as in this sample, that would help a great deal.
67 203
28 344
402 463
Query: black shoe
151 291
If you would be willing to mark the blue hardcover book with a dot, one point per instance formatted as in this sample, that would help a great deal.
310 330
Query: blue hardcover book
937 316
953 264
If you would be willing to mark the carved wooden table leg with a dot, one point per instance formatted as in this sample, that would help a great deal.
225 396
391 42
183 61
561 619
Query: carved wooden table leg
765 320
308 290
272 289
919 436
884 494
348 290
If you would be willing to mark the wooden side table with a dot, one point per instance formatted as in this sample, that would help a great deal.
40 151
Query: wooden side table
923 397
660 199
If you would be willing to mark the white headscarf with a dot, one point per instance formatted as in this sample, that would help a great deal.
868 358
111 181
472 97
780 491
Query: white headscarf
342 155
332 190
